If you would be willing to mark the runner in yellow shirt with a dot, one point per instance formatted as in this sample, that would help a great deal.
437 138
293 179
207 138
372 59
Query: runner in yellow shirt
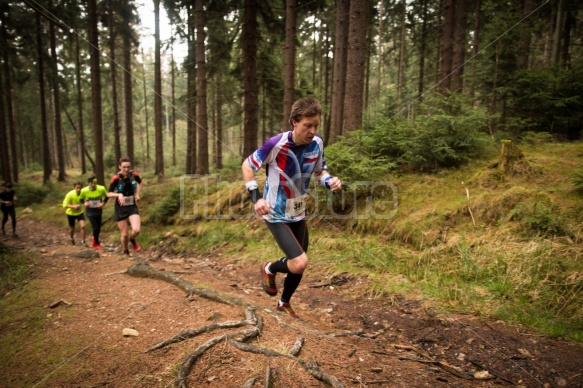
74 212
94 197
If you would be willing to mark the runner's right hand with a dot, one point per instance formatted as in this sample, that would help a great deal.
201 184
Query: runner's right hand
262 207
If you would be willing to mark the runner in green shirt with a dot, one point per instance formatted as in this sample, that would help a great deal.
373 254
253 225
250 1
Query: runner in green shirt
74 212
94 196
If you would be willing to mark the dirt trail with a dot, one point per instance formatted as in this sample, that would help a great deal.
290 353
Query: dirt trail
361 342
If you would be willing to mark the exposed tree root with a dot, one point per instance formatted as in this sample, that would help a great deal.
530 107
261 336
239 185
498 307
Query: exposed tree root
188 363
190 333
315 371
443 365
143 270
295 350
268 378
238 339
311 367
250 382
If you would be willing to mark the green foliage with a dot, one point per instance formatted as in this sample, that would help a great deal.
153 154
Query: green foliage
537 138
446 134
163 211
354 158
29 192
541 215
550 98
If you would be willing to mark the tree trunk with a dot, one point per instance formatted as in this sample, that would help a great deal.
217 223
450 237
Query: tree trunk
147 129
570 23
289 56
43 108
201 90
422 51
401 69
127 79
113 67
173 97
4 152
326 76
251 126
10 109
159 170
509 155
219 126
475 45
525 37
81 141
191 97
57 102
355 66
459 46
339 71
96 91
560 21
447 44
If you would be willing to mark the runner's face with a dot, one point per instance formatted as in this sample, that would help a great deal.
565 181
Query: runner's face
305 129
77 188
125 168
92 185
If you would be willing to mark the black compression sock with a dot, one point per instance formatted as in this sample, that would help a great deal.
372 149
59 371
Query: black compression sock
290 284
279 266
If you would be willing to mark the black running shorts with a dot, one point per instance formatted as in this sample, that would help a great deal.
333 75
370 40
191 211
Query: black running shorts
123 212
72 219
292 237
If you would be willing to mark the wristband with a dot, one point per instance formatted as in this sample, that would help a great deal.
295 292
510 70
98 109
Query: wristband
324 180
251 185
253 190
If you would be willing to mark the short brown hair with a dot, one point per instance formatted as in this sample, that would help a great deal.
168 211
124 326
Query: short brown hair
124 159
305 107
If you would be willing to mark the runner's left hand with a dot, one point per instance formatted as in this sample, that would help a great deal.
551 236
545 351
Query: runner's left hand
335 183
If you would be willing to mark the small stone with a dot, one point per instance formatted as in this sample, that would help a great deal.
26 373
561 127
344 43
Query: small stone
461 357
127 332
525 353
561 382
483 374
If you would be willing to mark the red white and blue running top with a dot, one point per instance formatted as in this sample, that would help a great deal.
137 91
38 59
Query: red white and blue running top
289 168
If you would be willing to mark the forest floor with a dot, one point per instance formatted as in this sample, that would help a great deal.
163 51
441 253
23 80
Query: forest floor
358 340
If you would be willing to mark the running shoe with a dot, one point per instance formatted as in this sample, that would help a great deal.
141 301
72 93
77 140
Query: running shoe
72 241
268 281
93 245
83 243
136 246
286 308
126 252
97 246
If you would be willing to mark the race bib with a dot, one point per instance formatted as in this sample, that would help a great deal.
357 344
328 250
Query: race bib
94 203
128 200
295 207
